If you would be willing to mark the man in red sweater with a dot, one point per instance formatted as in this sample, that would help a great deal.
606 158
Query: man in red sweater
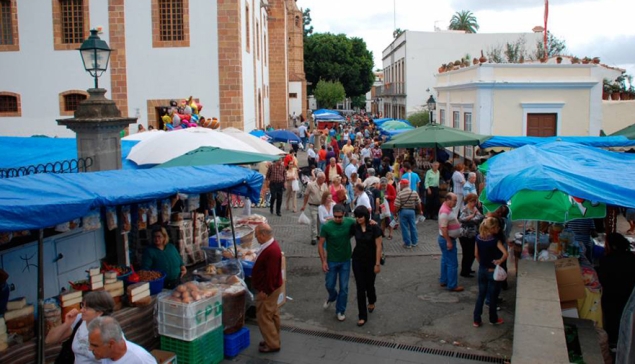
266 278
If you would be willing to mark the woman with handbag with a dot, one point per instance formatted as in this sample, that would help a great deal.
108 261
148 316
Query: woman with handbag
292 185
75 329
470 218
366 261
488 246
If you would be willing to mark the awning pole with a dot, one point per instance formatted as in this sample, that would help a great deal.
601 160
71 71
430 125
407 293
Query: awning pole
40 298
231 220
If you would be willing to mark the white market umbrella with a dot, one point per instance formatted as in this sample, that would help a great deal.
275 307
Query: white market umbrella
172 144
143 136
262 146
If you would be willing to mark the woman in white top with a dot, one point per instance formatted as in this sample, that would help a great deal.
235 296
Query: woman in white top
458 180
325 211
292 175
95 304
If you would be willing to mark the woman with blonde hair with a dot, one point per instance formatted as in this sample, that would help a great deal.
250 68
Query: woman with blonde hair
338 191
292 175
325 210
488 253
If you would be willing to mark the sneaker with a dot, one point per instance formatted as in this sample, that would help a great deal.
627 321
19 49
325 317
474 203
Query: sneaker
498 322
327 304
477 324
341 317
406 246
498 308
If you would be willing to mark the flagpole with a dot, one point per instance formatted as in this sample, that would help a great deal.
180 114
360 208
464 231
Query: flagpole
544 42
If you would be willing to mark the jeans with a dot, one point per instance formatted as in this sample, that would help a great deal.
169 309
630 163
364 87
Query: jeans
449 263
276 189
365 282
343 270
408 227
487 286
322 165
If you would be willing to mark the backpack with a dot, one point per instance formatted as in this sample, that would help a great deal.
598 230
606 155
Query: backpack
369 193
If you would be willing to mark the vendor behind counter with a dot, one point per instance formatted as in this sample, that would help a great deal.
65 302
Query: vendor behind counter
164 256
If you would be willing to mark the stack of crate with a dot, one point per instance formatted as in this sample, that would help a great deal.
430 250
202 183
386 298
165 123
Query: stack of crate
182 236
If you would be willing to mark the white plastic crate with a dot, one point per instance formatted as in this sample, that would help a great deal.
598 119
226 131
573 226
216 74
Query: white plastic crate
190 334
204 309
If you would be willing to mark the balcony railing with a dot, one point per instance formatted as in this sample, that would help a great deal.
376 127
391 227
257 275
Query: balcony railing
392 89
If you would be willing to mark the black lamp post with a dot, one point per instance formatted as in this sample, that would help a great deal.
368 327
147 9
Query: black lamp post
95 55
432 105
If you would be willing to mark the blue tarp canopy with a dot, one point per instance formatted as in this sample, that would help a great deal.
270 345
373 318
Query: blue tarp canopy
519 141
381 121
330 117
325 111
44 200
25 151
586 172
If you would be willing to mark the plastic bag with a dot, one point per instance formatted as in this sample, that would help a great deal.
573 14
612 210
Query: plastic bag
111 217
385 210
92 221
500 274
303 219
393 223
295 185
420 218
153 213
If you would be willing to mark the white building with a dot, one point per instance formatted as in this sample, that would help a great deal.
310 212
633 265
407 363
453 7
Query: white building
215 51
412 60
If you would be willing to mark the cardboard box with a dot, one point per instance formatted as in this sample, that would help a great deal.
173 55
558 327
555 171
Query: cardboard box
282 298
570 309
164 357
569 278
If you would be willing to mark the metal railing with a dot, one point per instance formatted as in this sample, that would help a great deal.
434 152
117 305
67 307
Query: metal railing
67 166
392 89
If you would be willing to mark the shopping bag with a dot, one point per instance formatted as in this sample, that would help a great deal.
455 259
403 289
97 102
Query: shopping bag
385 210
499 274
295 185
303 219
420 218
393 223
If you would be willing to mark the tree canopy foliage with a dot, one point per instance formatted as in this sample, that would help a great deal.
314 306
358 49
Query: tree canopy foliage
555 46
464 20
419 118
329 93
335 57
306 20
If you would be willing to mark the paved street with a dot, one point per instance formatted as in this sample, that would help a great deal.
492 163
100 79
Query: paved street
412 310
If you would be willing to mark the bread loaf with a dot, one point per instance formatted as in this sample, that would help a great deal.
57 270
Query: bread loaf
140 295
72 303
16 304
10 315
136 288
116 293
110 275
71 295
94 271
114 286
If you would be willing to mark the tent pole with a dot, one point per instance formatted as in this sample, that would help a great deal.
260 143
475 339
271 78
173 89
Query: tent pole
231 221
40 297
536 241
215 222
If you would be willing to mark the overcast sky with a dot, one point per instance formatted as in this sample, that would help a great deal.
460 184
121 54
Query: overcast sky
594 28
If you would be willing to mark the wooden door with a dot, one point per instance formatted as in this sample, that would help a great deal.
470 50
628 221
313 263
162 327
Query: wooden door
541 125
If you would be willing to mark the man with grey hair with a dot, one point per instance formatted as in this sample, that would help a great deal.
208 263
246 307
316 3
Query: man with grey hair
313 196
108 344
371 179
352 167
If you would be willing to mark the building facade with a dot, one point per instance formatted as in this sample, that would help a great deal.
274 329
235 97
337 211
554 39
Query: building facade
411 61
218 51
530 99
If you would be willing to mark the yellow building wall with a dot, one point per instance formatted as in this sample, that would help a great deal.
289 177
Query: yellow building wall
617 115
508 109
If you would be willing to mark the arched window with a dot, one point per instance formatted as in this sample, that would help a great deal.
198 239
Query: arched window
69 101
297 21
10 104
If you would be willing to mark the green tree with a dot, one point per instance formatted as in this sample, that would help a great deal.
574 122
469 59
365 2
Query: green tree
329 93
555 47
419 118
358 101
334 57
306 18
464 20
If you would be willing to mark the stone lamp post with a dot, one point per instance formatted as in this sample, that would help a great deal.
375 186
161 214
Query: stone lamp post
97 120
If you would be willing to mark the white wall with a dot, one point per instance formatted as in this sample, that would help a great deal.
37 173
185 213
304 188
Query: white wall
172 73
295 105
425 52
39 73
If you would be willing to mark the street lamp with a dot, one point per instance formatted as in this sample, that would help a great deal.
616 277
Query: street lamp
432 105
95 55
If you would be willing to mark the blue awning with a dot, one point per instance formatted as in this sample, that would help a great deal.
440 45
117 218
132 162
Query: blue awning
586 172
519 141
44 200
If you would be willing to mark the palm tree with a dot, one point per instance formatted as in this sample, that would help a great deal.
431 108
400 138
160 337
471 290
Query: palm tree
464 20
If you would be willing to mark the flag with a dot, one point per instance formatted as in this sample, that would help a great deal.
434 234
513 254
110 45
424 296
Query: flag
545 32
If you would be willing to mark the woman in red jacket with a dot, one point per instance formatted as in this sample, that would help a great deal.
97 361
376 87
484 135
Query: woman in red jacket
390 194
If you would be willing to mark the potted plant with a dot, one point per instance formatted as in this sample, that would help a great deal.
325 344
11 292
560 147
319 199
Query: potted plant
615 91
575 60
586 60
521 60
442 68
482 59
559 59
606 89
475 61
596 60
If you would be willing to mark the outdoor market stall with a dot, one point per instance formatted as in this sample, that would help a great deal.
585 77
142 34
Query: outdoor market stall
39 201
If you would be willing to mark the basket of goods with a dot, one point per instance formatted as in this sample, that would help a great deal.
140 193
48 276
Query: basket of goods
191 310
122 272
220 272
154 277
